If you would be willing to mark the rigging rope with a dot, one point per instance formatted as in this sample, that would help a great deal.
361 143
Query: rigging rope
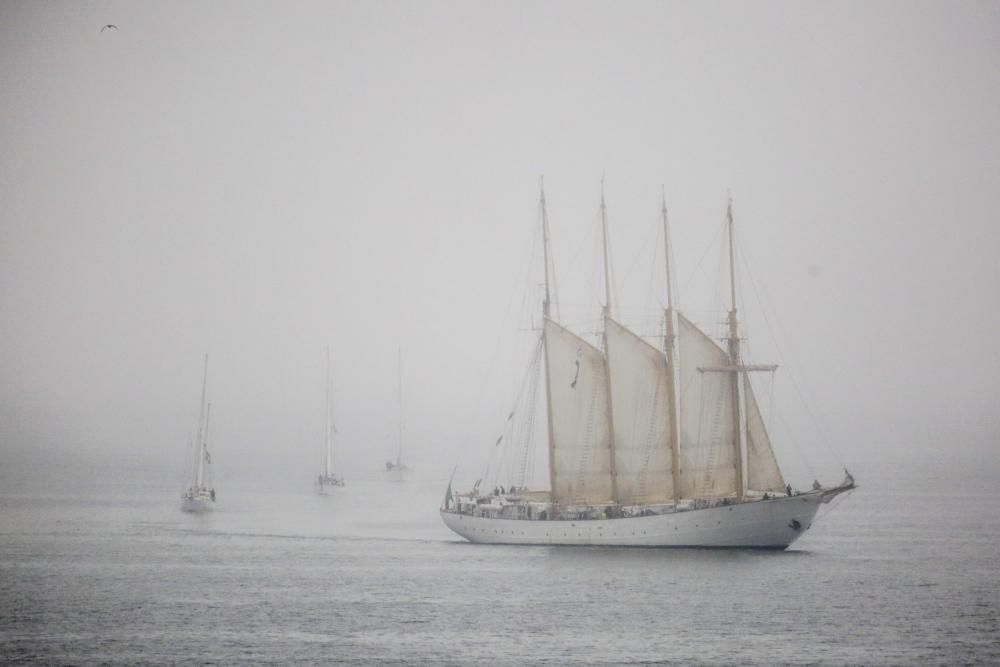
523 277
764 307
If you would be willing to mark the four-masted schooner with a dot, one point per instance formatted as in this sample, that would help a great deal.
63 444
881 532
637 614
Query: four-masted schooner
647 446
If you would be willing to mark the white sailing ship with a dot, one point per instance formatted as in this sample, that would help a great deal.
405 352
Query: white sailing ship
632 460
200 496
327 478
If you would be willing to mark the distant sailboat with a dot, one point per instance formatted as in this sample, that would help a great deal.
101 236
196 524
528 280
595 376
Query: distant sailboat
643 451
200 496
327 477
396 469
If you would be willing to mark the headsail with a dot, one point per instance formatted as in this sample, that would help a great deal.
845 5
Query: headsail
707 451
641 417
763 473
579 420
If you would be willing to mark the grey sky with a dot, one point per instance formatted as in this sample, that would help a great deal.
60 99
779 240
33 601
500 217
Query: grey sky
257 180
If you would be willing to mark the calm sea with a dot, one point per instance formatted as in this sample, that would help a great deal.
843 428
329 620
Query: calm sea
116 574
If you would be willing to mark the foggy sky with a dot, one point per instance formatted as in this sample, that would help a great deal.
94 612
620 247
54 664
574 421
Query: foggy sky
259 180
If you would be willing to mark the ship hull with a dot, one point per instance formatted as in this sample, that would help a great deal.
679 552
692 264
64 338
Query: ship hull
764 524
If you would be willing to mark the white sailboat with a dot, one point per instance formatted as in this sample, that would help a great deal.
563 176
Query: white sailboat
395 470
200 496
327 478
633 461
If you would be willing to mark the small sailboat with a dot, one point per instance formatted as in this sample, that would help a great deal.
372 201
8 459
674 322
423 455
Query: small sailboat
200 496
646 446
395 470
327 478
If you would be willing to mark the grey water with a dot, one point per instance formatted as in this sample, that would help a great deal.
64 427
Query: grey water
115 573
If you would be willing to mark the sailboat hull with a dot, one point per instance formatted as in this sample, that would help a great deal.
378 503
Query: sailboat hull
765 524
197 504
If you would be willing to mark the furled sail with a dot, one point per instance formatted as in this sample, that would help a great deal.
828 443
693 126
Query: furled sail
640 417
707 451
580 435
763 473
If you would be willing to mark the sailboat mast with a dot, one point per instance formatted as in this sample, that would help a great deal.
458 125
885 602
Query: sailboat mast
607 359
327 462
399 367
604 240
734 356
202 427
668 345
546 305
203 453
546 308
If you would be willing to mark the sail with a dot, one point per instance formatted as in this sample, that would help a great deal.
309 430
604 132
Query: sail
763 473
579 423
707 451
640 416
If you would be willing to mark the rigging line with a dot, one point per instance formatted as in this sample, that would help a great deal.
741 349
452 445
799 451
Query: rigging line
643 248
697 266
595 265
653 314
581 244
507 435
522 277
550 259
770 403
791 374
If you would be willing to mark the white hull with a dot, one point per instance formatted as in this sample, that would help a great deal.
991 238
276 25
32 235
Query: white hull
764 524
197 504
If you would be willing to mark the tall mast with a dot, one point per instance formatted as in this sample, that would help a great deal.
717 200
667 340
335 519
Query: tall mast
202 428
734 356
607 359
399 452
668 345
546 314
202 459
329 425
604 239
546 305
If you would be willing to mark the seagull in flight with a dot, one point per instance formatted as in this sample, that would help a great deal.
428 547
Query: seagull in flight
110 25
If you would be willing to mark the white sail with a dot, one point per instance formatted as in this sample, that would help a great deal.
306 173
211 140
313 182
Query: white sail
707 451
640 415
763 473
579 422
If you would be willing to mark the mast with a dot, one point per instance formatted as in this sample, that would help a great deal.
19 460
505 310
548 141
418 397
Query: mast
545 252
734 357
668 345
546 308
204 449
329 426
202 428
399 451
607 359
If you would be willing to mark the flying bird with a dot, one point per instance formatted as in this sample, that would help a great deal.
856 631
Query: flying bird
110 25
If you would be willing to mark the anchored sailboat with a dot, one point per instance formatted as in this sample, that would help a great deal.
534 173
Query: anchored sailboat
395 469
200 496
327 477
635 462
